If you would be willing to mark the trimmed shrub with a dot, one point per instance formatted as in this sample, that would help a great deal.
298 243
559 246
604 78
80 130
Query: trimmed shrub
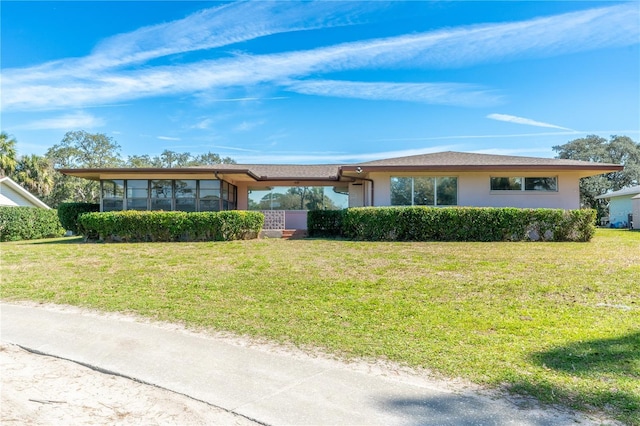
467 224
324 223
136 226
28 223
70 212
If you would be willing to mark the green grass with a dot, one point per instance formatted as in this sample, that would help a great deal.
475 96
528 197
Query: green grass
559 321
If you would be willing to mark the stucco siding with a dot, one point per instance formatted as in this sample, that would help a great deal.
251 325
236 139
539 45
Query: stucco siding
9 197
474 190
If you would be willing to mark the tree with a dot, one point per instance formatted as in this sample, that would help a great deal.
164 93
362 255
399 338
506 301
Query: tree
8 154
619 150
141 161
210 158
80 149
35 174
170 159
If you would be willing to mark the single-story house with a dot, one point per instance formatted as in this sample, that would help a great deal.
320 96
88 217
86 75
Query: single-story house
12 194
623 203
439 179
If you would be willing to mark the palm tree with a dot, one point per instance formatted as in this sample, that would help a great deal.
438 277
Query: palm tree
35 174
8 161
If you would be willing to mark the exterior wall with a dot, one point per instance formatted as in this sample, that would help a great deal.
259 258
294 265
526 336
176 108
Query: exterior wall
10 197
242 195
619 210
635 204
474 190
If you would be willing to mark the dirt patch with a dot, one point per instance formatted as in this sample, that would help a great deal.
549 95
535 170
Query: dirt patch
43 390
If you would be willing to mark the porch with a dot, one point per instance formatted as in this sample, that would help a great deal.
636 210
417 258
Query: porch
284 224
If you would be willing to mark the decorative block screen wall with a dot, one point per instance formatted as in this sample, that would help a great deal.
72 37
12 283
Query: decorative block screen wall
274 219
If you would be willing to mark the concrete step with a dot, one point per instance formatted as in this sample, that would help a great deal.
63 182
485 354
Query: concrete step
294 234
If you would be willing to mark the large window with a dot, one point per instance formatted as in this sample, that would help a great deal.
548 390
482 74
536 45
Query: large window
161 194
185 194
424 191
137 194
209 195
188 195
524 184
112 194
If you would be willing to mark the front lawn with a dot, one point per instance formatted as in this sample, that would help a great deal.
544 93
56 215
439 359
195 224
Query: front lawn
560 321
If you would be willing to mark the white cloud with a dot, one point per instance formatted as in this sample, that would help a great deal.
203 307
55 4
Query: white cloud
526 121
245 126
111 74
432 93
80 120
168 138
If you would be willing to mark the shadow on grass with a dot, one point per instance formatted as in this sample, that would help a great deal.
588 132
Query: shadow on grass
603 361
65 240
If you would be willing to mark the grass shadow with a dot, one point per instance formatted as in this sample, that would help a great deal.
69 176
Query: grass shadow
64 240
599 360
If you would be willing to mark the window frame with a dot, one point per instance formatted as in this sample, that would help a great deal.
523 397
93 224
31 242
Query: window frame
524 185
435 185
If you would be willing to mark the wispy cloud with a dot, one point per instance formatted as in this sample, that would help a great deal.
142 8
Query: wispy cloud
433 93
331 157
80 120
526 121
168 138
114 73
245 126
484 136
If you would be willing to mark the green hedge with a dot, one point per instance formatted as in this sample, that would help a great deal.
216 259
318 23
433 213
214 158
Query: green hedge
28 223
136 226
324 223
455 224
68 213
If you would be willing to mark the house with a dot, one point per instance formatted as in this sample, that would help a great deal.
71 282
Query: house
439 179
623 203
12 194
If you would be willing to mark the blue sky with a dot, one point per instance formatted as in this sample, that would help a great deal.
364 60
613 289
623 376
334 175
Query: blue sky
324 82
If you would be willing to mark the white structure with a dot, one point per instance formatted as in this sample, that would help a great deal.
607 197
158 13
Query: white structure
12 194
623 203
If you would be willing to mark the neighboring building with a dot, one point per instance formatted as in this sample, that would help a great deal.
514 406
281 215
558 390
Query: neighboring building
621 206
12 194
440 179
635 204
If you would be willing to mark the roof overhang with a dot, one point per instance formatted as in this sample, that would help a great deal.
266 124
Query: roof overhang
160 173
583 170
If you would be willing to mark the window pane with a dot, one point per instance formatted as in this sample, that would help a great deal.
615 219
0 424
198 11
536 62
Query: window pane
186 204
506 184
541 184
113 188
401 191
161 189
209 194
423 191
225 191
137 188
185 188
111 204
210 184
447 191
209 205
136 204
161 204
